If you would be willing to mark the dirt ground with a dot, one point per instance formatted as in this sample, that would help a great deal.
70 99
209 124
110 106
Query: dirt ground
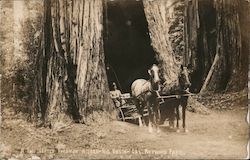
220 134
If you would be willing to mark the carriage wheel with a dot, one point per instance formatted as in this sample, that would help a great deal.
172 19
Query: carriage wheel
120 114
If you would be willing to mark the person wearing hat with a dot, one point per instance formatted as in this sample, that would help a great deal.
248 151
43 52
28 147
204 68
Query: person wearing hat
116 95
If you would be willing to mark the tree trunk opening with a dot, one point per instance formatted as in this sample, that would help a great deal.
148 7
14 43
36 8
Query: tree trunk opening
127 46
214 44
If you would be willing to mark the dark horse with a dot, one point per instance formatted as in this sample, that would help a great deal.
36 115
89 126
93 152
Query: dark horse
145 93
170 108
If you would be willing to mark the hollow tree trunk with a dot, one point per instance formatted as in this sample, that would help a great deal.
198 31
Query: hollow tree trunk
158 14
213 44
228 46
71 81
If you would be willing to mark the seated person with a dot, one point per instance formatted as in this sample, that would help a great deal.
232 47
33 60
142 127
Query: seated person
116 96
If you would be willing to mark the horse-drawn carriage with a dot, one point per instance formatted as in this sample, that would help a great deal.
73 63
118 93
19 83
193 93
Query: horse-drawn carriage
126 109
148 95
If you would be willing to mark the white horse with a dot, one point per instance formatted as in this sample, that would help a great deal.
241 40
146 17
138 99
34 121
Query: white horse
145 93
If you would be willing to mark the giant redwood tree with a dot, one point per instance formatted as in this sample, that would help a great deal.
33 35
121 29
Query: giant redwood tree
71 81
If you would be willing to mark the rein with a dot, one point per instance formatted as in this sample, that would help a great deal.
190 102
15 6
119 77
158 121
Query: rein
151 83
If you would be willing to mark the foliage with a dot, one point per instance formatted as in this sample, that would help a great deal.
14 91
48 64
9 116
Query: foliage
25 71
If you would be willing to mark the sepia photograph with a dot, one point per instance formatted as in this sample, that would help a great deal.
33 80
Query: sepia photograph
124 79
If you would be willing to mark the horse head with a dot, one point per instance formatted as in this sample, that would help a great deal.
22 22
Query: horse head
184 80
154 77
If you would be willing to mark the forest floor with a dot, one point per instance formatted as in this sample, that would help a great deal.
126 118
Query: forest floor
223 133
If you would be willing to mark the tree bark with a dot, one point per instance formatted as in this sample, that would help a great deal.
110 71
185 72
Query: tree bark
192 25
228 44
158 14
213 28
71 81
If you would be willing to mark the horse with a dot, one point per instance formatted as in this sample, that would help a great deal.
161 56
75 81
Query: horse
171 105
146 93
